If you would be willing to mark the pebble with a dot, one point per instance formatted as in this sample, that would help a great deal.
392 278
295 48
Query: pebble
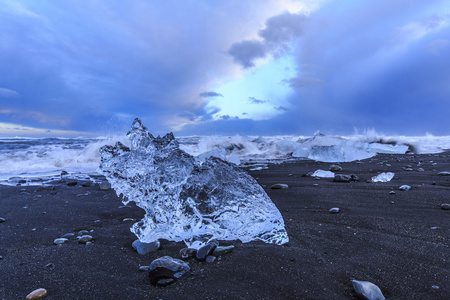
188 253
72 183
86 184
445 173
50 266
392 192
2 220
83 232
445 206
209 259
279 186
335 168
345 178
144 268
145 248
104 186
435 287
222 250
420 170
404 188
367 290
68 235
334 210
165 281
37 294
129 219
60 241
84 239
166 267
206 250
46 188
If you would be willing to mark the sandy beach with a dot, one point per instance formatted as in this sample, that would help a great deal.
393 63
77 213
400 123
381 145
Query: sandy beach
399 241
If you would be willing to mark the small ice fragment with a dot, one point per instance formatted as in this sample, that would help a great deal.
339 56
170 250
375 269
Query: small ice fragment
383 177
367 290
404 188
323 174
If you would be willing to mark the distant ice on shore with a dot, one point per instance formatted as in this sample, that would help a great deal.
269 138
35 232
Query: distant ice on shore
34 157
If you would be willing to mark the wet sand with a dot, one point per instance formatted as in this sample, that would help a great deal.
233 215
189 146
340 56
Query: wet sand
400 242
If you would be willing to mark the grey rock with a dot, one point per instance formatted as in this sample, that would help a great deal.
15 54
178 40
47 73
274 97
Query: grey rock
279 186
2 220
145 248
186 253
445 173
206 250
222 250
104 186
68 235
404 188
45 188
144 268
334 210
165 281
420 170
335 168
60 241
86 184
210 258
166 267
72 183
84 239
83 232
445 206
392 192
345 178
367 290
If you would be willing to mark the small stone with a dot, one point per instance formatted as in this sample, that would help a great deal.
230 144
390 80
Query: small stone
404 188
46 188
2 220
367 290
409 169
435 287
279 186
104 186
37 294
129 219
88 243
60 241
445 173
83 232
392 192
206 250
72 183
222 250
434 228
420 170
165 281
209 259
86 184
187 253
145 248
334 210
68 235
345 178
445 206
50 266
335 168
166 267
84 239
144 268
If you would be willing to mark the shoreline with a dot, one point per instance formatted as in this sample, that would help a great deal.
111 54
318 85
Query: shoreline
400 242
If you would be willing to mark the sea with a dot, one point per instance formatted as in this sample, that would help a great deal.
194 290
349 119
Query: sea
33 161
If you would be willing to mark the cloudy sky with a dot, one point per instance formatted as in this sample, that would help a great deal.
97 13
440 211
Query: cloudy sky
224 67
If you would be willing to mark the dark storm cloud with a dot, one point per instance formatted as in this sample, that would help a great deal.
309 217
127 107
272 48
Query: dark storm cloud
277 34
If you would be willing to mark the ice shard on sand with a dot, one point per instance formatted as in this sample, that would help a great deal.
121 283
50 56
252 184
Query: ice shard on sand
188 200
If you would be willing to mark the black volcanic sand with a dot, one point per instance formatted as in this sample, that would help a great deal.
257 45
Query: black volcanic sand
388 239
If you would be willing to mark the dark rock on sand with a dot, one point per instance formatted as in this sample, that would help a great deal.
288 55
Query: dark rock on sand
345 178
404 188
84 239
335 168
72 183
209 259
86 184
445 206
69 236
206 250
60 241
166 267
37 294
367 290
279 186
186 253
83 232
445 173
165 281
2 220
45 188
222 250
334 210
145 248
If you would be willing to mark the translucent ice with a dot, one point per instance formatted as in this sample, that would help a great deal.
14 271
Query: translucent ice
383 177
323 174
187 199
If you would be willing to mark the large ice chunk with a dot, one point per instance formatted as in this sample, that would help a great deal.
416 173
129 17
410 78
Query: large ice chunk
186 199
383 177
